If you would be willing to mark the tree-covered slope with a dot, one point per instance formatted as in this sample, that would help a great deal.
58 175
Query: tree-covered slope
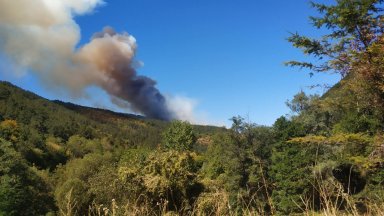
63 120
326 157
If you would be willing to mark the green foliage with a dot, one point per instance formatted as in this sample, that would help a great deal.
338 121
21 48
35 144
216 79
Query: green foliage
235 164
353 48
179 136
375 186
172 176
169 177
78 176
78 146
330 146
224 163
353 122
340 159
9 130
301 102
353 28
291 174
106 185
22 191
343 145
78 190
285 129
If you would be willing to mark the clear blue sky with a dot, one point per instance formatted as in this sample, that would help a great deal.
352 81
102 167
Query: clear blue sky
228 55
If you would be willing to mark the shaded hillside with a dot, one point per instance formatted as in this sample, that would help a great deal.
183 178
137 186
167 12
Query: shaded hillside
63 120
108 116
98 114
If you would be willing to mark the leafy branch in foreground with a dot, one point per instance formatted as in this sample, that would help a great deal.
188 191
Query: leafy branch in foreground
354 26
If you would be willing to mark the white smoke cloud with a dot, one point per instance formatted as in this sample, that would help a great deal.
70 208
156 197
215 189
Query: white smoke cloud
183 107
44 13
41 36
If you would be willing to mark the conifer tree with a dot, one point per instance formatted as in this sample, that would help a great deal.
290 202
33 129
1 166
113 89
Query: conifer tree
353 25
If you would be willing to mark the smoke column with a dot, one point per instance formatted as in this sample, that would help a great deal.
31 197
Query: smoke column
112 54
41 36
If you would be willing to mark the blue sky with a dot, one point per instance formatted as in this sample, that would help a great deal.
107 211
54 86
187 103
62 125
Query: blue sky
227 55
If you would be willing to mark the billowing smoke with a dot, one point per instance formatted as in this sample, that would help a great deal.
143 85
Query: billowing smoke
41 36
112 54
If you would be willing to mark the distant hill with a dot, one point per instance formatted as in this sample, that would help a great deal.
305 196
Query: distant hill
98 114
63 119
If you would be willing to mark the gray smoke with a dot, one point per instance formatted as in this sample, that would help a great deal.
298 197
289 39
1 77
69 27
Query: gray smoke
113 54
42 36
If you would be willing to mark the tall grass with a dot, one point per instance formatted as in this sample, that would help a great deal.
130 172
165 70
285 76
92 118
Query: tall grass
333 200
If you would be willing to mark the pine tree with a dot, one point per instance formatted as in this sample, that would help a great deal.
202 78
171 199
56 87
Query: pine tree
354 25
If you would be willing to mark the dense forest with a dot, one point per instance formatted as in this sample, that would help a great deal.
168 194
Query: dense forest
326 157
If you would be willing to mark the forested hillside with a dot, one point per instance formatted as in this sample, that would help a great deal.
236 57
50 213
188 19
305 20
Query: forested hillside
326 157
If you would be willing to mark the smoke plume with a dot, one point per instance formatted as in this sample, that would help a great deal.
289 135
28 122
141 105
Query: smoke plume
41 36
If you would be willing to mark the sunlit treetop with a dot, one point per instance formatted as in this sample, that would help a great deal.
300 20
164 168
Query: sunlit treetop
353 26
